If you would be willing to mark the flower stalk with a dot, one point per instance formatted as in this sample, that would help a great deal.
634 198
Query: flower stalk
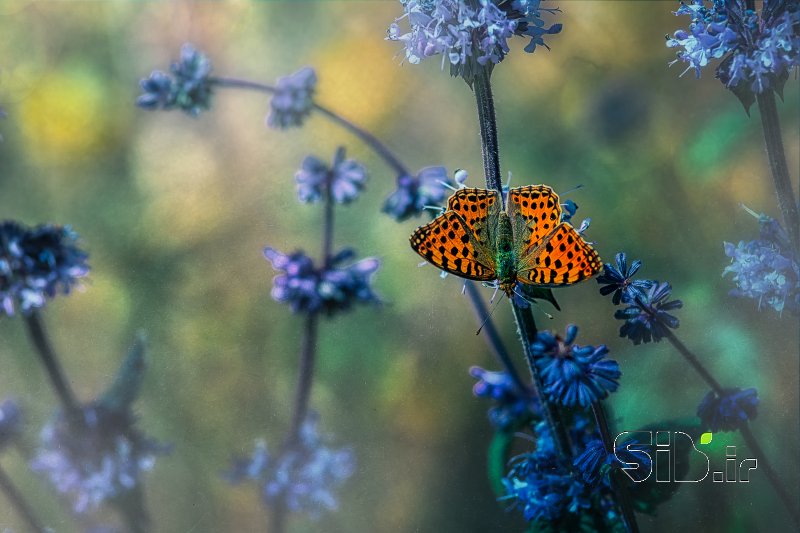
19 503
621 490
47 355
773 140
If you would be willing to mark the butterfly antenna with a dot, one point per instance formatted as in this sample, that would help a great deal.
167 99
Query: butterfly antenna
577 187
448 185
438 208
491 312
496 288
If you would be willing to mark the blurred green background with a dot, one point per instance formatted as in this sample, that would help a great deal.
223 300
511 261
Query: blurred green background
175 212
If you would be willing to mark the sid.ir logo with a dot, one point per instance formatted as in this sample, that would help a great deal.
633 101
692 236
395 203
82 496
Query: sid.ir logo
658 455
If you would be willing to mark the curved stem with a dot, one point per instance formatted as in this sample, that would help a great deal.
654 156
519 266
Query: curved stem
38 336
748 436
787 201
19 503
370 140
620 489
692 359
492 336
772 476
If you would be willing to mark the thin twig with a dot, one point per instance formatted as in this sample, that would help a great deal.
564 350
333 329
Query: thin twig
370 140
617 483
47 355
19 504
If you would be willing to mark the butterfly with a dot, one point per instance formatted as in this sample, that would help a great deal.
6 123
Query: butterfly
475 238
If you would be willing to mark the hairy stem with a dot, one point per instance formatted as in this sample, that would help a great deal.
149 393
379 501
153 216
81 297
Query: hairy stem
19 503
488 126
492 336
617 482
47 355
370 140
787 202
526 327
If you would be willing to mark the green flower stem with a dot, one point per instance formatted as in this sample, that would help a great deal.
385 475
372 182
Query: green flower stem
19 504
370 140
617 481
787 201
526 326
47 355
748 436
492 336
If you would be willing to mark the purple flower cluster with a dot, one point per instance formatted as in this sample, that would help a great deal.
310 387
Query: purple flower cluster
574 375
97 458
293 99
513 407
429 188
728 411
469 35
307 288
36 264
757 50
595 463
344 179
765 269
187 87
304 477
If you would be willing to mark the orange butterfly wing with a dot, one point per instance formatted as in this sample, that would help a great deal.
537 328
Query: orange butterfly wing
549 252
479 208
448 243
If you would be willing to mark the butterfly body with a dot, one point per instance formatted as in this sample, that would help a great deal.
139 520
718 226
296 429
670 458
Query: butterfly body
528 243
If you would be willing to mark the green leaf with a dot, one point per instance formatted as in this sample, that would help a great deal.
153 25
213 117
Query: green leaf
125 389
539 293
497 460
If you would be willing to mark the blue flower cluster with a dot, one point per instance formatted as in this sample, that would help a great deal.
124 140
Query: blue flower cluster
293 99
756 50
304 477
307 288
469 35
98 458
766 269
513 407
646 314
10 422
430 187
36 264
728 411
549 492
187 87
574 375
345 179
